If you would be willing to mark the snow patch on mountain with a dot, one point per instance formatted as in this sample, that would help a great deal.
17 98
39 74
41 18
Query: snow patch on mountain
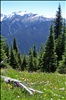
2 17
23 13
25 16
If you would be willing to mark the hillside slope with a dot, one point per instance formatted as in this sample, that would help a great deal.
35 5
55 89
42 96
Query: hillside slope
28 29
53 85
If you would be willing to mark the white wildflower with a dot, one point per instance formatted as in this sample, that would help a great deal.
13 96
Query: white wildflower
44 88
62 88
63 97
55 94
18 96
65 83
51 99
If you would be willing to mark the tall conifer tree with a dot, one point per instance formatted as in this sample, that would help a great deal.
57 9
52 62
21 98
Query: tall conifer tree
24 63
7 51
19 59
34 51
15 45
58 23
31 60
41 54
62 63
50 63
13 58
60 44
2 50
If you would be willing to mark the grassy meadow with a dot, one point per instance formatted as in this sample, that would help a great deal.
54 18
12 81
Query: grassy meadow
52 84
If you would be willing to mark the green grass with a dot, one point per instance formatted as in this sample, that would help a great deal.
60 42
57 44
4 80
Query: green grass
53 85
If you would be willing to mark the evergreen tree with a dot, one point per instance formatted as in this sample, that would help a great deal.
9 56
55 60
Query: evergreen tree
49 59
2 50
7 51
64 27
58 23
62 64
24 63
19 59
13 59
59 48
63 43
35 64
60 44
31 60
15 56
41 54
15 45
34 51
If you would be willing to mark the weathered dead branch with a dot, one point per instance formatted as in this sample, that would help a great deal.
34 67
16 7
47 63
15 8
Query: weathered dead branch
20 84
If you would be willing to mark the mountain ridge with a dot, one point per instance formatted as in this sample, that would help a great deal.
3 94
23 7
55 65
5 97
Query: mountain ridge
27 29
25 13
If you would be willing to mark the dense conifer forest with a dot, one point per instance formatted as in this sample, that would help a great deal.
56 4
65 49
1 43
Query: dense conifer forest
50 58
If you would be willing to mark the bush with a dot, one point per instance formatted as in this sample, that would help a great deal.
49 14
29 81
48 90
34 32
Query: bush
62 70
62 66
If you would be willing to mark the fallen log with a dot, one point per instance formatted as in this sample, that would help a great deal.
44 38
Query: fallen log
35 90
19 83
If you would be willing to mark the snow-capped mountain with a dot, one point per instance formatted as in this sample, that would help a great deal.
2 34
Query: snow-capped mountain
24 17
27 28
2 17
